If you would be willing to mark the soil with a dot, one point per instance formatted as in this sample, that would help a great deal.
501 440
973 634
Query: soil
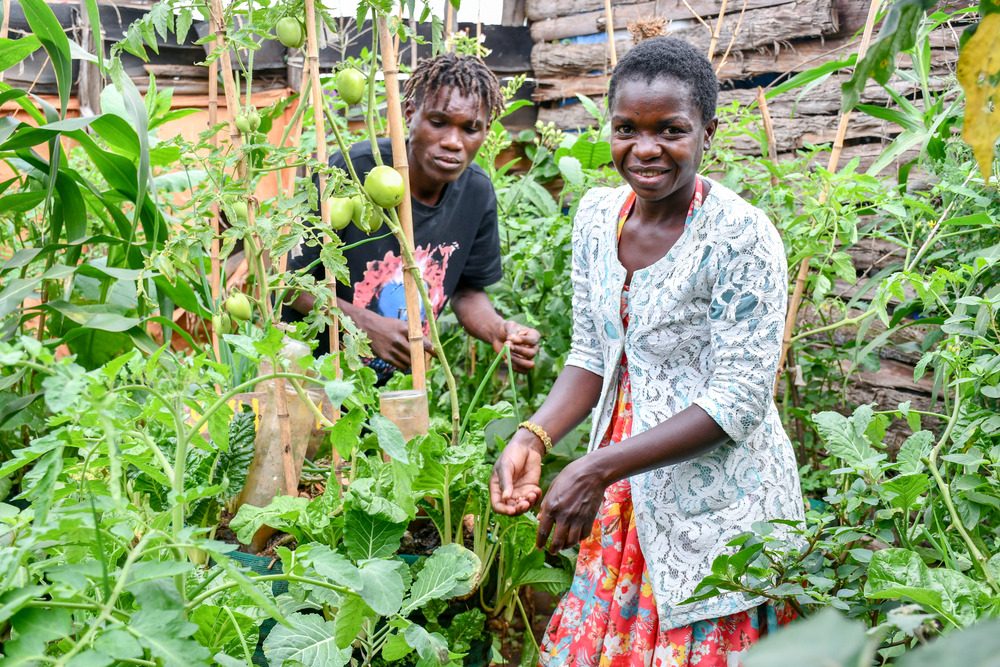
225 534
539 606
421 537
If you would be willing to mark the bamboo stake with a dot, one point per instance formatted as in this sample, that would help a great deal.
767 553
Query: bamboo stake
215 278
609 28
390 69
226 69
449 19
716 31
479 23
5 25
413 42
289 185
312 58
732 39
765 114
838 145
233 106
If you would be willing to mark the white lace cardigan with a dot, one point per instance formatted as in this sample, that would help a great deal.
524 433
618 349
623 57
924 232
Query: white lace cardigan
705 328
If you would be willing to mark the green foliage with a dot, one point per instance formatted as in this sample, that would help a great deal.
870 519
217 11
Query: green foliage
119 458
898 33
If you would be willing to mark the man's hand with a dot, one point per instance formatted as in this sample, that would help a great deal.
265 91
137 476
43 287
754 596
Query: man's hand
523 341
389 337
478 316
514 486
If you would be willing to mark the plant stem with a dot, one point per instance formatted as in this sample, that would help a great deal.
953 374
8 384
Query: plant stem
527 623
479 390
836 325
977 557
108 608
432 325
194 602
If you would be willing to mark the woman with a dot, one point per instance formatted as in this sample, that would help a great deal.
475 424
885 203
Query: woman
678 309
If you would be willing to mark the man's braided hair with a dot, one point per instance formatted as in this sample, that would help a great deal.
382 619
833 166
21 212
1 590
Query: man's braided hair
466 73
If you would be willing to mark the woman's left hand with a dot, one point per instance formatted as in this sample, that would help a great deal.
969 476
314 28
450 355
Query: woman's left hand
571 504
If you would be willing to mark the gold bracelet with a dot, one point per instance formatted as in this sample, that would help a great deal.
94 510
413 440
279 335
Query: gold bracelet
539 433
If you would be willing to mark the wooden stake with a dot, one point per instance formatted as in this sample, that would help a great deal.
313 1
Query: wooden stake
772 145
609 28
399 161
413 42
5 25
312 59
449 20
732 39
838 145
215 278
717 30
226 69
479 23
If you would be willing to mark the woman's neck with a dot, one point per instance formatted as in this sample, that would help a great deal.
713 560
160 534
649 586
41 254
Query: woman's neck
670 211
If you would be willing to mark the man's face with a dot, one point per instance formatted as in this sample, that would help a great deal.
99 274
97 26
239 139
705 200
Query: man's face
446 131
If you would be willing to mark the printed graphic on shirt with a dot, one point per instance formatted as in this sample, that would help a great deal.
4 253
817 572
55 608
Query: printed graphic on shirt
381 287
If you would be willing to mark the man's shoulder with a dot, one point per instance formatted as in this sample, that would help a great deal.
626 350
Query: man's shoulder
478 183
362 156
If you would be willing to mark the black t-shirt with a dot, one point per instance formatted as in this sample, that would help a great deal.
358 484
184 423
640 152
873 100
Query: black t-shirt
456 245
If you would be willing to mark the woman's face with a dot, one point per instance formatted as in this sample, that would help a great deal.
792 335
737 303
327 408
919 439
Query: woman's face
658 137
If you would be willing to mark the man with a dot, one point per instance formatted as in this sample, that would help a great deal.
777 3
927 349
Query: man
449 103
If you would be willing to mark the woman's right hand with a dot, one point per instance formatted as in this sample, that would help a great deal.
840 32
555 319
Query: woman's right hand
515 484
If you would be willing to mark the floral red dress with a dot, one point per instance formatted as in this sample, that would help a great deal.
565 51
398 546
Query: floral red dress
608 618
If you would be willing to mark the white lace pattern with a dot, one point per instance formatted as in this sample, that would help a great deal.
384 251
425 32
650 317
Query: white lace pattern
705 328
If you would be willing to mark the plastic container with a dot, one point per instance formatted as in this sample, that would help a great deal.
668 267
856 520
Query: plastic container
407 409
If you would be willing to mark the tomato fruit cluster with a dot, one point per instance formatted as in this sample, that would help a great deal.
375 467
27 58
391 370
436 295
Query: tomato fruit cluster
248 121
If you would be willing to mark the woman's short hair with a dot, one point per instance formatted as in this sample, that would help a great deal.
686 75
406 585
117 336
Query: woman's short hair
669 57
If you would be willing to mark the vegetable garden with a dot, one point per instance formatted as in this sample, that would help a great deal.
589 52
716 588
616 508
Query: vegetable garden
214 494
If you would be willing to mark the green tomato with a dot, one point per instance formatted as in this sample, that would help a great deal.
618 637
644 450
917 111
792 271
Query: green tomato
385 186
341 211
351 85
222 324
238 306
243 124
239 209
365 218
254 118
373 223
290 32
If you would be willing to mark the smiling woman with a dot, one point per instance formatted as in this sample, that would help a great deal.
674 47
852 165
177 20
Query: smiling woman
679 301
